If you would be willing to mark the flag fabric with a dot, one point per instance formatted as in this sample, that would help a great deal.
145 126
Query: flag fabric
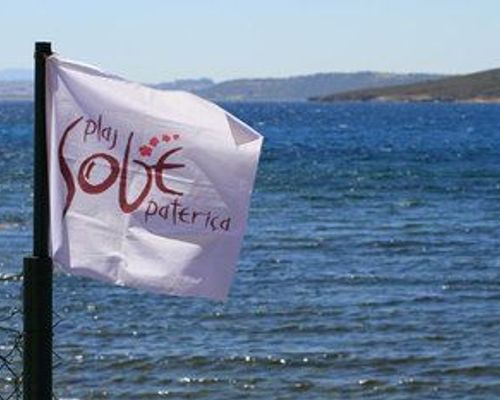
148 188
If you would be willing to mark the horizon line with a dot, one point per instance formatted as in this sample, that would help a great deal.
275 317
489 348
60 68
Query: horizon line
268 77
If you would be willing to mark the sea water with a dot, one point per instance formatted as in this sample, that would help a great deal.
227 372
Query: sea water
370 268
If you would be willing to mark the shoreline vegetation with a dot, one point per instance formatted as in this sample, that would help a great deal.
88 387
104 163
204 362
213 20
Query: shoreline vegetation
478 87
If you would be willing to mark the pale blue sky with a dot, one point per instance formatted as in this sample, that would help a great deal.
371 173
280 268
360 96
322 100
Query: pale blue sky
155 40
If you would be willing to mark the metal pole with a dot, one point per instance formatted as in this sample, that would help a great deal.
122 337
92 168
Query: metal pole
37 293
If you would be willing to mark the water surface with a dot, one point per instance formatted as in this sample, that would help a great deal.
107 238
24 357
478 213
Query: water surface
370 269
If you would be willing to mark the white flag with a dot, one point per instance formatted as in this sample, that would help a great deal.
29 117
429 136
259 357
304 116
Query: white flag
148 188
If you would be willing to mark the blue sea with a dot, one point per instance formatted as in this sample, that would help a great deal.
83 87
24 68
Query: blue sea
370 268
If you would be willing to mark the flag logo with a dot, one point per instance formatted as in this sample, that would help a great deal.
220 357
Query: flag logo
149 189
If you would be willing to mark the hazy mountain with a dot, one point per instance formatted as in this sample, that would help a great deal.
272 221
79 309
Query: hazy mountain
191 85
16 90
16 74
481 86
16 84
304 87
295 88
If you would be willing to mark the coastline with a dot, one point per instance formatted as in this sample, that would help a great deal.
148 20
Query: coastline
416 99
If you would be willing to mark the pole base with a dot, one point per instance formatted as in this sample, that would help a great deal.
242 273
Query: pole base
37 355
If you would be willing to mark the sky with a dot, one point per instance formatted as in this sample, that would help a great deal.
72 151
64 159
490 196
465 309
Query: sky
163 40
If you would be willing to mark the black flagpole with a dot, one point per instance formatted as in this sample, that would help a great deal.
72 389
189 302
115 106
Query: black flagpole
37 294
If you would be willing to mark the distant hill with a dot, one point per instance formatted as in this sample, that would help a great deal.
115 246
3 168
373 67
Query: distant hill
16 74
481 86
23 89
16 90
297 88
190 85
16 84
303 87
